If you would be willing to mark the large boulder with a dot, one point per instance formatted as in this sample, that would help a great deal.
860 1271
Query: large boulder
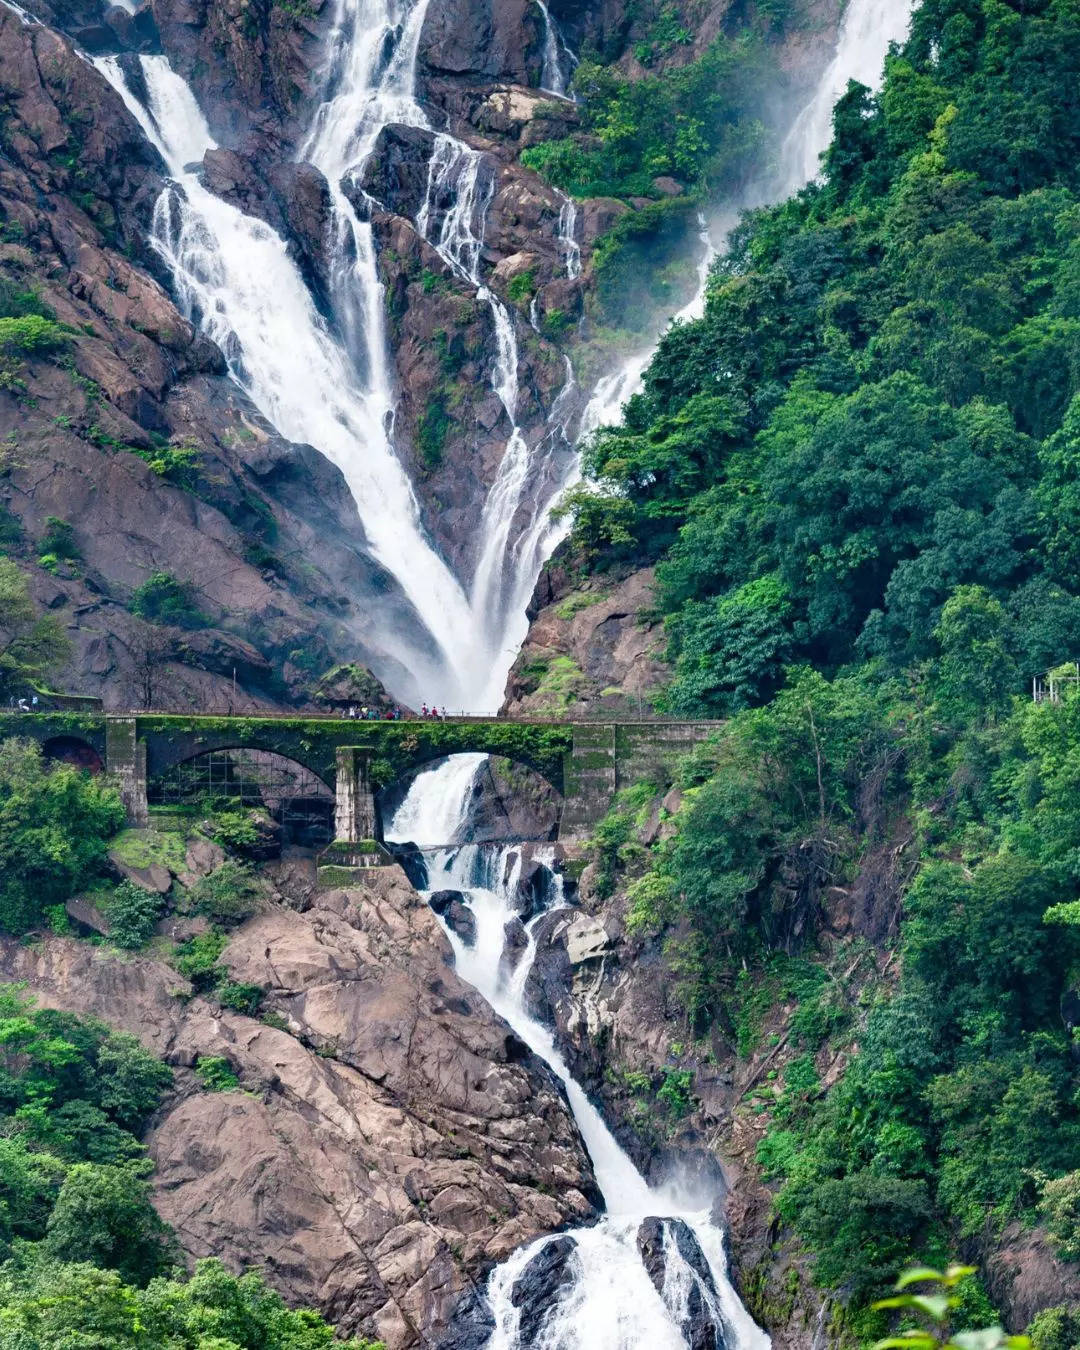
397 171
664 1243
539 1287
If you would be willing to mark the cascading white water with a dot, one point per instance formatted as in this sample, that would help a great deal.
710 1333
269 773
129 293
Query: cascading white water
568 240
867 30
611 1303
234 274
557 62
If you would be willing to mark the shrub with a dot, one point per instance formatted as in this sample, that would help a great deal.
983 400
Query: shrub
231 891
132 912
54 826
217 1074
241 998
59 539
197 958
522 287
162 599
31 335
1060 1209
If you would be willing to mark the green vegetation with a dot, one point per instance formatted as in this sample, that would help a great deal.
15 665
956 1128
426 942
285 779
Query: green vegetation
164 600
664 143
178 463
216 1074
229 893
857 478
697 122
937 1307
132 913
877 409
73 1096
55 823
47 1305
87 1264
30 646
522 288
432 431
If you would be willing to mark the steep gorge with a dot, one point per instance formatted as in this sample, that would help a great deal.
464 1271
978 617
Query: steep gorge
326 391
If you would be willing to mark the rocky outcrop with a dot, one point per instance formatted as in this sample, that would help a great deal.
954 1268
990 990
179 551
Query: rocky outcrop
387 1148
701 1328
492 39
593 646
511 803
539 1287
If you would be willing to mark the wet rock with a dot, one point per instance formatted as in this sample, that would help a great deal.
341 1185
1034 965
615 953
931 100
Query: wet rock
607 634
510 803
515 942
500 39
396 174
540 1285
700 1327
471 1324
586 940
535 884
458 917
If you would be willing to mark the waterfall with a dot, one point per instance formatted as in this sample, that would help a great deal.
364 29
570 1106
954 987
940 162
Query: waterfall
610 1303
569 245
558 61
333 387
868 29
233 274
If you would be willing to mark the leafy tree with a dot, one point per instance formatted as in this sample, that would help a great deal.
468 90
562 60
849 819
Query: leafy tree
163 599
103 1217
54 826
132 912
30 646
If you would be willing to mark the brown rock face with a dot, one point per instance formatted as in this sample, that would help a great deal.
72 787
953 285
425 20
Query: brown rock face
264 533
603 629
389 1146
499 39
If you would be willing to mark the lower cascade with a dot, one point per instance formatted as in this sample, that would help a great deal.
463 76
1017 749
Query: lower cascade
652 1273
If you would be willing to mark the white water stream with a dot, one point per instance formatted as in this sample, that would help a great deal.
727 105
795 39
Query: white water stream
234 273
611 1303
867 29
333 388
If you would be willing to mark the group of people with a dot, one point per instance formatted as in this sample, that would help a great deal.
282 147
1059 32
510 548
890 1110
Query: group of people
393 714
24 706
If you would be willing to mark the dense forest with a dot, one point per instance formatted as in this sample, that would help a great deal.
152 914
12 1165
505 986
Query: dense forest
856 476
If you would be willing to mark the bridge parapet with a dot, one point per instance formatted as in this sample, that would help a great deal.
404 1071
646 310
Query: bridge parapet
586 762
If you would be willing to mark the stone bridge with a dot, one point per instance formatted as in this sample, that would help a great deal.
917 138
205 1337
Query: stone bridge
585 762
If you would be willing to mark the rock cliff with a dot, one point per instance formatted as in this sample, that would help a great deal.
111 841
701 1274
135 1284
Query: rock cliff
390 1139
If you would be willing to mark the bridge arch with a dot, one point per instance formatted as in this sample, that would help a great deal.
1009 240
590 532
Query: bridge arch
243 776
73 750
508 799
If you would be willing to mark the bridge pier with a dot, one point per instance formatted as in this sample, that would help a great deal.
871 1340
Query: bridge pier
590 777
125 760
354 809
